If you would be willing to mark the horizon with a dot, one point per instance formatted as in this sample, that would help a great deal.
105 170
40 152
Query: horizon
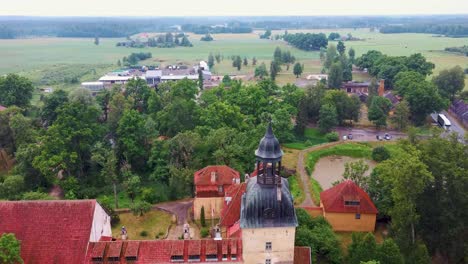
240 8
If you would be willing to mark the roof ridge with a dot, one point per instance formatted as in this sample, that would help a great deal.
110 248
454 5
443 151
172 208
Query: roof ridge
231 204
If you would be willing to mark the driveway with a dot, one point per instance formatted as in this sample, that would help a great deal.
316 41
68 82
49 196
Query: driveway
368 134
179 209
455 127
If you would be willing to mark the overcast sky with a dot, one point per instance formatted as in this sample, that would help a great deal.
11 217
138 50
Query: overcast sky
229 7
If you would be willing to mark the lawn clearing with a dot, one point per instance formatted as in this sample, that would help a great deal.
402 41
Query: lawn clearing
311 138
155 223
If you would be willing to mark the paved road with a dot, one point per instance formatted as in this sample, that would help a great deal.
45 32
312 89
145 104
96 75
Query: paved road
179 209
367 134
455 127
305 176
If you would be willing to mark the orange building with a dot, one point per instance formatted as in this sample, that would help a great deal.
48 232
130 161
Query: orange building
348 208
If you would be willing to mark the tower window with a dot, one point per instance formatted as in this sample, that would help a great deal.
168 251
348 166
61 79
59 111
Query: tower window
267 261
268 246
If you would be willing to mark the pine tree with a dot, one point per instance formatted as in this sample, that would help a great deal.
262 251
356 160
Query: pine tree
202 217
297 69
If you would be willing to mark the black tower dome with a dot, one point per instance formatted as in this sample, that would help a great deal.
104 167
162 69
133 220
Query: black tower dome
269 148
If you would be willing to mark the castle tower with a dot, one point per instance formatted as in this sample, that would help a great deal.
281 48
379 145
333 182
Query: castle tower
268 219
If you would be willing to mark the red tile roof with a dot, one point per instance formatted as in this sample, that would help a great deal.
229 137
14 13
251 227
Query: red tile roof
333 199
160 251
49 231
224 175
302 255
231 210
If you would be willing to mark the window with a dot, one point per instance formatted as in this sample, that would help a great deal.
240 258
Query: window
352 203
177 258
131 258
113 258
224 256
194 258
213 257
267 261
268 246
233 256
97 259
220 188
358 216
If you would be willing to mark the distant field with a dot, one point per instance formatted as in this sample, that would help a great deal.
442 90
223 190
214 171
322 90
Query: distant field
36 57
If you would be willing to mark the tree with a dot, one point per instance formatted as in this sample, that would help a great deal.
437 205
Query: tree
327 118
355 171
378 110
341 48
237 62
362 248
261 71
424 99
277 55
202 216
53 102
12 187
210 60
450 82
254 61
297 69
131 136
119 63
107 159
401 115
15 90
132 182
282 125
330 56
389 253
140 208
10 249
275 68
226 80
335 76
406 81
245 61
82 96
380 154
352 55
96 41
200 79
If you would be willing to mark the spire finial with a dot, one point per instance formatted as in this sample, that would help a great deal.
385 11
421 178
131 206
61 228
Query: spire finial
269 131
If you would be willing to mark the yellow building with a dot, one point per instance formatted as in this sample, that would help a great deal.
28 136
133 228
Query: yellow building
348 208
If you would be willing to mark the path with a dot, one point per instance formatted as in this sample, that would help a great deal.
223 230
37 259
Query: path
308 202
180 210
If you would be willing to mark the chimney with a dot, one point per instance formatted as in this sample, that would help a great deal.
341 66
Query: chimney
213 177
381 87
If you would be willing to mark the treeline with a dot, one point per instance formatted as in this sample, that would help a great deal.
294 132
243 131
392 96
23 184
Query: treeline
307 41
134 58
462 50
208 29
455 30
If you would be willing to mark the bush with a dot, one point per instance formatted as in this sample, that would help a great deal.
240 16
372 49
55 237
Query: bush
150 195
140 208
332 136
144 233
36 196
202 216
380 154
204 232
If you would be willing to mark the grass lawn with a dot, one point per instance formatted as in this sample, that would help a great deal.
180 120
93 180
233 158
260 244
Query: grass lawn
311 137
290 157
296 186
355 150
154 223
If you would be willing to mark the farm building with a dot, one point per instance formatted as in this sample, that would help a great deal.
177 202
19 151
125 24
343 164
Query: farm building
348 208
460 109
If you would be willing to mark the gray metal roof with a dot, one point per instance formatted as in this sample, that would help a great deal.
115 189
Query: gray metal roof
269 148
261 208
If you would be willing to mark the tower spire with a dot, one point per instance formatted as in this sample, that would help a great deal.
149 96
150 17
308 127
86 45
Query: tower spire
269 156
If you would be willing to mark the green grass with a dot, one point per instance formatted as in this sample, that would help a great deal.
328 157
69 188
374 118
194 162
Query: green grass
355 150
296 187
311 137
154 222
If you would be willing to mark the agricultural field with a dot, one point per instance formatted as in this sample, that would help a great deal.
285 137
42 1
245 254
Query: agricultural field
44 60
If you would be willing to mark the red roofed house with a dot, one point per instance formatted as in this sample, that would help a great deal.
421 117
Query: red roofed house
348 208
54 231
211 185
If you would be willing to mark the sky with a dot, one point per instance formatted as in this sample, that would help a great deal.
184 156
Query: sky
229 7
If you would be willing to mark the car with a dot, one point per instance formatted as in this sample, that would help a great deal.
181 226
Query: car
350 136
387 136
379 137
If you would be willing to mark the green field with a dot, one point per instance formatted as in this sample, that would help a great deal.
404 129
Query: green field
36 57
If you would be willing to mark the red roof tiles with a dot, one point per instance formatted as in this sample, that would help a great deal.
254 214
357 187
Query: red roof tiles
333 199
50 231
302 255
223 175
231 211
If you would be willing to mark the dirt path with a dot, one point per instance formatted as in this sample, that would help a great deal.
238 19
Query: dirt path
180 210
304 176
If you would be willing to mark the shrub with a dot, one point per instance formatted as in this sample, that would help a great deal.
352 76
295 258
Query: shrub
144 233
332 136
149 195
380 154
202 216
204 232
140 208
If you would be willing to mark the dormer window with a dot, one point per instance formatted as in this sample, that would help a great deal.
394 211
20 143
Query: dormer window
220 188
352 203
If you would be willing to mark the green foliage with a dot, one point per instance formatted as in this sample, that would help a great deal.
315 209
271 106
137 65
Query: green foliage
296 189
341 48
15 90
378 111
307 41
207 37
204 232
35 196
140 208
131 136
317 234
261 71
144 233
355 172
450 82
12 187
364 249
51 103
327 118
275 68
332 136
380 154
10 249
202 216
401 115
297 70
335 75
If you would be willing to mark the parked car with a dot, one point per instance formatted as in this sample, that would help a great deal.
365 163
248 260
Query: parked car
380 138
350 136
387 136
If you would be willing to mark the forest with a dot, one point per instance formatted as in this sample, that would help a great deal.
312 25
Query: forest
450 30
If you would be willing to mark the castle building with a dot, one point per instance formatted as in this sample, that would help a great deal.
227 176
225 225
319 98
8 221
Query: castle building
268 220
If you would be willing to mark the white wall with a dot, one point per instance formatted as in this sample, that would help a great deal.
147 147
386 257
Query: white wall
101 224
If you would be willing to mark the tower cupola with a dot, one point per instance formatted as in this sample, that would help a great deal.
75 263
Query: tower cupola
268 155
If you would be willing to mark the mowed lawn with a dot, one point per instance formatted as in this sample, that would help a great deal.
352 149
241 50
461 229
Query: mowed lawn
32 57
155 223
